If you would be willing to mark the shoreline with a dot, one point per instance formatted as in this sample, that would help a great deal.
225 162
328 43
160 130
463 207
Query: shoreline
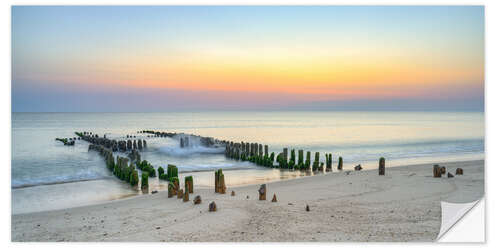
403 205
159 186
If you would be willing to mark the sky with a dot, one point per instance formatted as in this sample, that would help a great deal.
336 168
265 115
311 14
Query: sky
174 58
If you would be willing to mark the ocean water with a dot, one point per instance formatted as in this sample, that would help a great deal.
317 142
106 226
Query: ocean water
48 175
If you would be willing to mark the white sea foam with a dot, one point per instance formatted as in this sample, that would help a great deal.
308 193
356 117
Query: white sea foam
178 151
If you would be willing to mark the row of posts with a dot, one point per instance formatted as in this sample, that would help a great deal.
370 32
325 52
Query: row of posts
114 145
254 152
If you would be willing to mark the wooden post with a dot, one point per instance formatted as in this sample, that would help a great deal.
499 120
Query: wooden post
381 166
443 170
285 154
171 190
266 153
341 163
301 156
188 184
186 196
316 161
180 194
262 192
308 160
436 170
220 184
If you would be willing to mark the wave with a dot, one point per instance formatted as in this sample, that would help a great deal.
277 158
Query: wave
209 167
178 151
52 180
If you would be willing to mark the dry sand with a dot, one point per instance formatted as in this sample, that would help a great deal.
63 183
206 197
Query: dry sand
403 205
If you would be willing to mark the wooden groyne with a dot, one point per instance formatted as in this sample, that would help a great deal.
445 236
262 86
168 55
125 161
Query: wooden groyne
120 168
253 152
186 140
113 145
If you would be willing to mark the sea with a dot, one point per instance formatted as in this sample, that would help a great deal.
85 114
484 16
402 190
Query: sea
47 175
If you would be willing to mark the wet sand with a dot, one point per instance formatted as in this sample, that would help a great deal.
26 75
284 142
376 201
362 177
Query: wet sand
403 205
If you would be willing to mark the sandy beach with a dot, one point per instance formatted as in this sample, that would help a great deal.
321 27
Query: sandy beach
403 205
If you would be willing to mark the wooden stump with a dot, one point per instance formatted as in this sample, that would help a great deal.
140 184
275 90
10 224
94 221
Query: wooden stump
212 207
443 170
262 192
171 190
459 171
450 175
307 208
197 200
436 170
180 194
186 196
232 193
274 198
381 166
220 184
340 166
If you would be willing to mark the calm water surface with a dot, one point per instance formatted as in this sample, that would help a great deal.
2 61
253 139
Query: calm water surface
48 175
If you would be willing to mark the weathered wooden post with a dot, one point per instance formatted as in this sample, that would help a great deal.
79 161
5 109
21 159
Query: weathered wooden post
285 154
129 145
443 170
197 200
171 190
172 172
436 170
175 181
134 178
212 207
308 160
260 150
266 153
220 185
341 163
381 166
186 196
188 183
180 193
144 181
328 162
144 143
459 171
139 144
301 157
316 161
262 192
